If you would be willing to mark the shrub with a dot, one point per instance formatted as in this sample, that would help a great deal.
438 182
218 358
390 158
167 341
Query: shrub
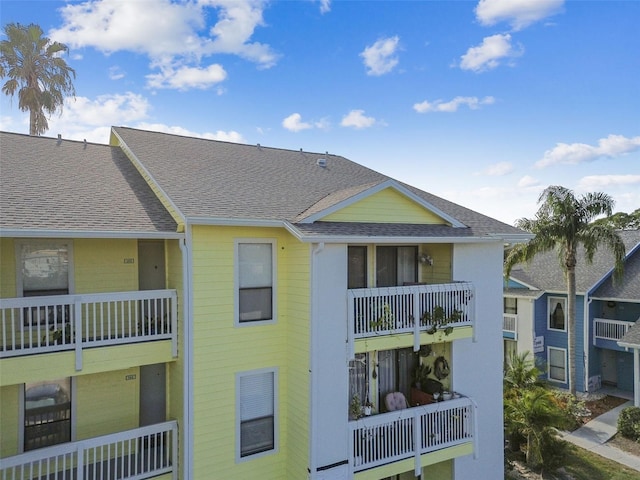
629 423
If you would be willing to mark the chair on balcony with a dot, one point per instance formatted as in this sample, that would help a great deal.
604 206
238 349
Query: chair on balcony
395 401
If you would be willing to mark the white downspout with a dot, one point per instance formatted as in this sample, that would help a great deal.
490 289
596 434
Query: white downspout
586 343
636 377
313 361
187 384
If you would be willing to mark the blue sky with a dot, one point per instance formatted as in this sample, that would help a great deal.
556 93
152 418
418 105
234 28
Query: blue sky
484 103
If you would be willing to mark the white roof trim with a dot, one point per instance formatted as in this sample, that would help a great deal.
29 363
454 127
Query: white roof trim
530 287
235 222
377 188
17 233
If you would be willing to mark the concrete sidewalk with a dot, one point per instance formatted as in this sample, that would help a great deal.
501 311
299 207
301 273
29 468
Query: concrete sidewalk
594 434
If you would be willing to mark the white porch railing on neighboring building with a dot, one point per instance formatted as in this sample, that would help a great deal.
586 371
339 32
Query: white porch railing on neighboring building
31 325
607 329
133 454
510 324
409 309
409 433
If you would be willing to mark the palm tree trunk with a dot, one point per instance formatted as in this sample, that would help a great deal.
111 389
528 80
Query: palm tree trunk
571 320
32 122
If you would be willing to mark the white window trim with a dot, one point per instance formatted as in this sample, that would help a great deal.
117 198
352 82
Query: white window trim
276 421
550 301
566 365
74 405
236 282
18 252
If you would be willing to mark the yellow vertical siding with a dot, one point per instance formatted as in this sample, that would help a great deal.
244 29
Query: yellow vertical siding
440 271
9 409
7 268
106 403
386 206
221 350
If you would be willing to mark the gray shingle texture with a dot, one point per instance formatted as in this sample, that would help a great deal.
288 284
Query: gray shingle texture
213 179
47 184
545 273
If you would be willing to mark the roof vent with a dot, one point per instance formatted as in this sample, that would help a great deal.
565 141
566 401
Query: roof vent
322 162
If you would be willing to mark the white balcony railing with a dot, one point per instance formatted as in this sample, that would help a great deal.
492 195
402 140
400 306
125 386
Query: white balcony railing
606 329
409 309
134 454
390 437
510 324
31 325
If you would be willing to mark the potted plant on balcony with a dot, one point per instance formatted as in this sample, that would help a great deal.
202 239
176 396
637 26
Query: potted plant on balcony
368 407
355 407
61 335
384 321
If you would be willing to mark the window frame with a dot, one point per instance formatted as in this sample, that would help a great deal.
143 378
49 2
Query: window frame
362 249
41 241
236 288
510 310
276 421
566 365
552 301
396 248
22 413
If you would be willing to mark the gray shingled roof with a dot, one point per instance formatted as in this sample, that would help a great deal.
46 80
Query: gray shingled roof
632 337
208 179
53 185
545 272
521 292
626 289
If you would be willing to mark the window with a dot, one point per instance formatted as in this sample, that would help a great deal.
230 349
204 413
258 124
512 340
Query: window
256 397
395 369
47 413
255 275
358 377
396 266
557 362
557 316
357 269
511 305
43 269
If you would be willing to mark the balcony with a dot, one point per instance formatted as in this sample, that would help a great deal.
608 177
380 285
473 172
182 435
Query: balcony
415 309
606 332
510 326
404 434
134 454
47 324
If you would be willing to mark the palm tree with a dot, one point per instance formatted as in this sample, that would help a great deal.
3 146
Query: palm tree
521 373
35 70
562 223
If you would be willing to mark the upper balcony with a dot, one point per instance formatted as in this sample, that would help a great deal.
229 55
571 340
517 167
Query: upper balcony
447 427
74 325
141 453
428 312
510 326
607 332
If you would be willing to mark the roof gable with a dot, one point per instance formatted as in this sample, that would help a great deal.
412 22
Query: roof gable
385 202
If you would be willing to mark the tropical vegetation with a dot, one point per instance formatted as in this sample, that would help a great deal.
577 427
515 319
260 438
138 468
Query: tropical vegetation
564 222
36 72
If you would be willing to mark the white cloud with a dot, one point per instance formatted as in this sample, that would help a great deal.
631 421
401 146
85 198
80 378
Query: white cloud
230 136
610 181
452 106
518 13
528 181
490 53
499 169
574 153
115 73
357 119
170 34
380 58
325 6
184 78
294 123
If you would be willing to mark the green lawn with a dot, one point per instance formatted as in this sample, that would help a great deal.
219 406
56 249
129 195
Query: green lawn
580 464
584 465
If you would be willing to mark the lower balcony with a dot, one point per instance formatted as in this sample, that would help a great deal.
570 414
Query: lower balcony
382 439
139 453
76 324
606 332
